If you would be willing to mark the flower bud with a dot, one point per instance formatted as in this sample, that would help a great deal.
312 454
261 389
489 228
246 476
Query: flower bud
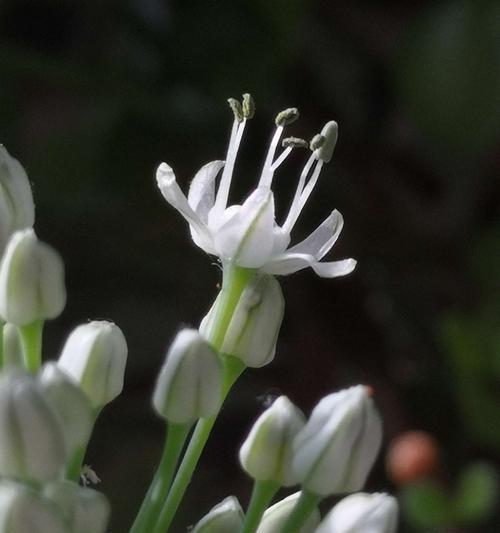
276 516
338 446
22 510
95 355
189 382
255 324
31 280
266 454
32 443
86 510
225 517
70 404
362 513
17 210
12 348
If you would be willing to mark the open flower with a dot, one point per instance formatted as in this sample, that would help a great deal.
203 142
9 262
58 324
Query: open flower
247 235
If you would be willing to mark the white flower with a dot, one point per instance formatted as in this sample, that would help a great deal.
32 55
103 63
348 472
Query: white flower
276 516
248 235
225 517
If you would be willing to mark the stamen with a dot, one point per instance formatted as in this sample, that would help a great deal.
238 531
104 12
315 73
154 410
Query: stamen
266 177
294 212
284 154
236 109
248 106
287 116
310 185
227 173
294 142
317 142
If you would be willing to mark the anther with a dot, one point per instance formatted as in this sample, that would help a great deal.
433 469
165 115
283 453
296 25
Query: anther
294 142
317 142
236 109
248 106
287 116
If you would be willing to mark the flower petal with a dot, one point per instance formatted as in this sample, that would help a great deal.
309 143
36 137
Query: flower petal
171 191
334 269
201 196
288 263
247 237
321 240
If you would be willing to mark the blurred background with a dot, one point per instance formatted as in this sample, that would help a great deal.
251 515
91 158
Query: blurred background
94 95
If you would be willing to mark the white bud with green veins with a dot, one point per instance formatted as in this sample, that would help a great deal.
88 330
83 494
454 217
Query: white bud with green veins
226 517
22 510
95 355
70 404
266 454
85 510
32 444
362 513
276 516
189 383
336 449
31 280
254 327
17 210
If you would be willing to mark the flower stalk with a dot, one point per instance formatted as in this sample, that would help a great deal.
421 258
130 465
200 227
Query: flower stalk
262 494
31 340
301 512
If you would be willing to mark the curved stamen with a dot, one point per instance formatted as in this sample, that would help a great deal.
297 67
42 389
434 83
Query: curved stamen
294 212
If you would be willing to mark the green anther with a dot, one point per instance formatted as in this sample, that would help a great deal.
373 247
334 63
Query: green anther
287 116
330 133
236 109
294 142
248 106
317 142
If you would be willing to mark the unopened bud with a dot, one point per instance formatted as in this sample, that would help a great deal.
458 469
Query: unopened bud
189 383
362 513
32 445
70 404
248 106
236 108
31 280
255 324
294 142
22 510
17 210
287 116
85 510
338 446
95 355
330 133
226 517
275 517
266 454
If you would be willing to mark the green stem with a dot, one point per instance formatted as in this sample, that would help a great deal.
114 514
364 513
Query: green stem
262 494
157 492
301 512
31 340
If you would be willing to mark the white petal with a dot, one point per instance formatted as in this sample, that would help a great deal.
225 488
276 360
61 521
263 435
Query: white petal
175 197
321 240
201 196
247 237
334 269
288 263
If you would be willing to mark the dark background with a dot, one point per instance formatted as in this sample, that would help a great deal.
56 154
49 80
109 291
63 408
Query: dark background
94 95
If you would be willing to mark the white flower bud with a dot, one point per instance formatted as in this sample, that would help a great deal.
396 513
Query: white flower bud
255 324
17 210
266 454
31 280
225 517
86 510
338 446
362 513
22 510
275 517
95 355
12 348
70 404
189 382
32 443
